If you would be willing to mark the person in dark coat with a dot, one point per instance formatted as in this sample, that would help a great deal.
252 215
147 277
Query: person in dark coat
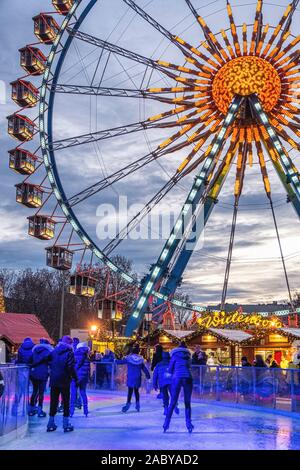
25 352
83 370
180 370
163 380
2 385
107 364
157 357
199 357
39 373
135 367
62 371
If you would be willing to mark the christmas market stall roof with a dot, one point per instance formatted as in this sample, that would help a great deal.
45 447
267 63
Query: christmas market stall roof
16 326
292 333
238 336
179 334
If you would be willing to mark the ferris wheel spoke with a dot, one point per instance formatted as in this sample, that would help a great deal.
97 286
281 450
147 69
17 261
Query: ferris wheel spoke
257 28
233 30
187 49
115 49
119 93
125 171
287 16
215 47
111 133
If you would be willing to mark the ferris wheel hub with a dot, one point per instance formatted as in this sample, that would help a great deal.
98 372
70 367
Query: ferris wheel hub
246 76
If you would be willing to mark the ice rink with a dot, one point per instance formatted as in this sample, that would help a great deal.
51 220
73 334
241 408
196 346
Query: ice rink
216 427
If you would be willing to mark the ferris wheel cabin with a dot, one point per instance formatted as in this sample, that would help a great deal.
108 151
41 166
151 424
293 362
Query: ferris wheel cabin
45 28
22 161
63 6
32 60
59 257
20 127
29 195
42 227
83 285
110 310
24 93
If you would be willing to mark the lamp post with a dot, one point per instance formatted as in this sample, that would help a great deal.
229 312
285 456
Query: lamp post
62 305
148 318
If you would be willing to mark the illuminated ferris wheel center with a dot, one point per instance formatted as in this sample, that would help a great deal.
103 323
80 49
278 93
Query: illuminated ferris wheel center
246 76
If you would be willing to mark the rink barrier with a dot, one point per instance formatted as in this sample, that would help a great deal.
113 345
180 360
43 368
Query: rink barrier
13 402
272 388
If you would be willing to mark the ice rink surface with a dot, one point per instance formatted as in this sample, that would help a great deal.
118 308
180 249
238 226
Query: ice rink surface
216 427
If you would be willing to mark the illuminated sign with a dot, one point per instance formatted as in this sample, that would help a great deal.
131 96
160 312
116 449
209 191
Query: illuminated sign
278 339
223 319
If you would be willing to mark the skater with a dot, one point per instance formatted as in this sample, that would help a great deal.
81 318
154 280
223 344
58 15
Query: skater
24 357
83 369
162 379
78 403
25 352
135 366
180 369
157 357
62 371
39 373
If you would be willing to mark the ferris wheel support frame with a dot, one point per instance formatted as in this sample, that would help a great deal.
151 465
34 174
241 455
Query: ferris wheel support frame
159 269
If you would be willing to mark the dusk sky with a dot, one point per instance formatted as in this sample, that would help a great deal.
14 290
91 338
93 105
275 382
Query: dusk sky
257 274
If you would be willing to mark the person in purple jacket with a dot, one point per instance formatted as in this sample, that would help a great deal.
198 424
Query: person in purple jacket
135 367
83 370
180 370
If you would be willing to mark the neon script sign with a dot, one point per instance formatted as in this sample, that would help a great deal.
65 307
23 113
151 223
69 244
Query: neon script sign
222 319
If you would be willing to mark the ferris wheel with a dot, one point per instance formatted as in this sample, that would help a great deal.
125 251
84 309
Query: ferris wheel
201 106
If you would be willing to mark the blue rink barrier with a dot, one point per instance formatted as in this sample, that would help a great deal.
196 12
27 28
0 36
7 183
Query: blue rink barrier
272 388
13 402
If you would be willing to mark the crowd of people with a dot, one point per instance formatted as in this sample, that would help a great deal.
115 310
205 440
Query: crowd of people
67 366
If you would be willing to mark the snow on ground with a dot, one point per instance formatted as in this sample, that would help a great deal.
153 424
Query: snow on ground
216 427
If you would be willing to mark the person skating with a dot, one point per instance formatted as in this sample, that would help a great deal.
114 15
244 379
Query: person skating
83 369
180 370
62 371
162 380
24 357
78 403
135 367
39 373
157 357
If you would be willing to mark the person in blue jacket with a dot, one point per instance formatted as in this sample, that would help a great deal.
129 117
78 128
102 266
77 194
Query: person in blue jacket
62 371
25 352
78 403
162 380
39 373
135 367
24 357
83 370
180 370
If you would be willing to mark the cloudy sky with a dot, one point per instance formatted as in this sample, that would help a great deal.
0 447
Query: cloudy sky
256 273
